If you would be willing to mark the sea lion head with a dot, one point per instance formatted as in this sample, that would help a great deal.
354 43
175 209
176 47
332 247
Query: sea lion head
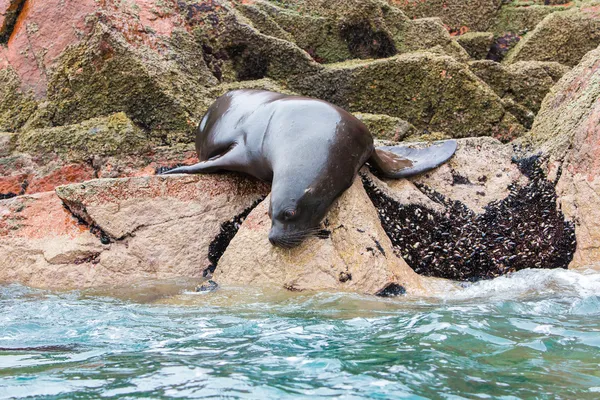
297 207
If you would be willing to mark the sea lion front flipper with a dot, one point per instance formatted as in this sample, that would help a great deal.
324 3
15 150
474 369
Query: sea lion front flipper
404 161
224 161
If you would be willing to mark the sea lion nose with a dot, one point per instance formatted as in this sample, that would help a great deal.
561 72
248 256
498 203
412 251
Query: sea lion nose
272 239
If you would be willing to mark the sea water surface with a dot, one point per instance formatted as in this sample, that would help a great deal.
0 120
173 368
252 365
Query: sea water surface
533 334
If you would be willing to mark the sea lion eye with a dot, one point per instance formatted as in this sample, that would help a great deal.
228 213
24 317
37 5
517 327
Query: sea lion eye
289 214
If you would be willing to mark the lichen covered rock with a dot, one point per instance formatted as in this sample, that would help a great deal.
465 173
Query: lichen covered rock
523 84
475 15
97 137
477 44
432 92
16 106
384 127
563 37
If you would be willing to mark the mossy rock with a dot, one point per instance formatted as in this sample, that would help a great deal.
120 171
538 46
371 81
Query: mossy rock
435 93
318 36
105 136
563 37
477 44
458 15
240 48
7 142
105 75
16 106
522 86
520 20
568 116
428 33
336 30
384 127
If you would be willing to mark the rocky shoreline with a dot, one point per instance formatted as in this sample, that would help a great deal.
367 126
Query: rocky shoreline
88 120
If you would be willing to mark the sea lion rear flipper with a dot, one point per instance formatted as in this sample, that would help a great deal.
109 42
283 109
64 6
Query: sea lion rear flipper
404 161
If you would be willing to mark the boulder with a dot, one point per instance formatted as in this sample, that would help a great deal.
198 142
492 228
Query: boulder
521 18
478 216
433 92
16 105
567 130
477 44
318 35
522 85
97 137
384 127
354 254
120 231
563 37
458 15
333 31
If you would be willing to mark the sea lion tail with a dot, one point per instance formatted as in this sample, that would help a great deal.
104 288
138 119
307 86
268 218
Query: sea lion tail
402 161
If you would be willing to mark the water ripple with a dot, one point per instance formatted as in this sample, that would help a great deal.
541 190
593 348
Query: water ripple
534 334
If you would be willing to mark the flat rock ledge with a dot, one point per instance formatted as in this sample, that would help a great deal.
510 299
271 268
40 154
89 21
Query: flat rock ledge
111 232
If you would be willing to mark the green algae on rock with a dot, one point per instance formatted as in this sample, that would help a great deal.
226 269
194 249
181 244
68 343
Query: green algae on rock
432 92
384 127
522 85
16 106
105 75
477 44
105 136
563 37
456 14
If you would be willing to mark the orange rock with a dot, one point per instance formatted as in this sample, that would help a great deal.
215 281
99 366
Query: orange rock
13 184
72 173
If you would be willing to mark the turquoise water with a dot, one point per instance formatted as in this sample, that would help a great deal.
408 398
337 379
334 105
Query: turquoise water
535 334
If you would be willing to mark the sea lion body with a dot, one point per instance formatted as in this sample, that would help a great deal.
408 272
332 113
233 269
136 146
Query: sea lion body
309 149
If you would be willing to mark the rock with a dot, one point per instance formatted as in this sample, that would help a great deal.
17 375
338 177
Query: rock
237 50
563 37
525 83
119 231
355 256
458 15
6 143
16 105
567 130
477 44
207 286
385 127
471 177
105 136
432 92
478 216
22 173
334 31
98 59
519 19
319 36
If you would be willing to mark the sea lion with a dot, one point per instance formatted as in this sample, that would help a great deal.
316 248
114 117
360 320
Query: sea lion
309 149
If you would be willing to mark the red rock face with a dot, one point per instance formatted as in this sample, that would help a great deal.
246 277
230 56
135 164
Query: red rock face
62 176
45 28
13 185
37 217
43 31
